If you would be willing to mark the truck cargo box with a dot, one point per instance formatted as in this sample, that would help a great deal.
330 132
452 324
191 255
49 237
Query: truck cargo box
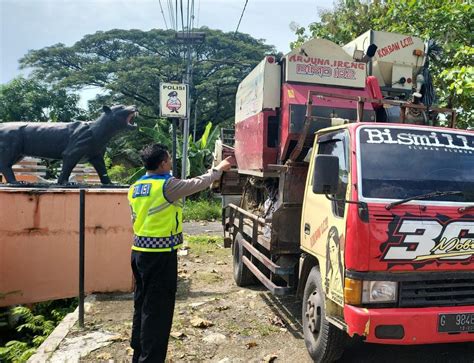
272 100
397 61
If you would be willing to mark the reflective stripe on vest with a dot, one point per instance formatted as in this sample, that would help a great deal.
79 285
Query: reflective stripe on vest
157 223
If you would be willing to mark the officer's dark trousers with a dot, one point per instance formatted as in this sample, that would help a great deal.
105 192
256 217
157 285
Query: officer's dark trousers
155 289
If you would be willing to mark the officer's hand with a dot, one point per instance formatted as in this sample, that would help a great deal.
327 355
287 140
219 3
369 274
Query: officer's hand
225 164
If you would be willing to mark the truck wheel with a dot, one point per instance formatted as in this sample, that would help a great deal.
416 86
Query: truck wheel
324 341
242 275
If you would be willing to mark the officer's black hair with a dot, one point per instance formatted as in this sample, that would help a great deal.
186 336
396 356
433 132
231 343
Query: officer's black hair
152 155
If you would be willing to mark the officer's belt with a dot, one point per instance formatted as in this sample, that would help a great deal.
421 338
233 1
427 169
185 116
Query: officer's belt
157 244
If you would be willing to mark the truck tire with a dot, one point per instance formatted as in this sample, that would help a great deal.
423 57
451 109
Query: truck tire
324 341
242 275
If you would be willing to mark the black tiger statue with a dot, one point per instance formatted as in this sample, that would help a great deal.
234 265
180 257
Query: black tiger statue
70 142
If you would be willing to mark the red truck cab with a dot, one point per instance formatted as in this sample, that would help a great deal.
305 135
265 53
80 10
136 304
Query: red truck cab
405 240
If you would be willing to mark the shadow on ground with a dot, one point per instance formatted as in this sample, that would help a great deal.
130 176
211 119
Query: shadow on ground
288 308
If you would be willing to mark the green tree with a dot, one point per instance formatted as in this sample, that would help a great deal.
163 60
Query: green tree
449 23
130 64
31 100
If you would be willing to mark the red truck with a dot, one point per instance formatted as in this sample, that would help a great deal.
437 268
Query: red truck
352 195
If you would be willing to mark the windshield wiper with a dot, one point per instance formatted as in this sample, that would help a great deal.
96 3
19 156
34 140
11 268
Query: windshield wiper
423 196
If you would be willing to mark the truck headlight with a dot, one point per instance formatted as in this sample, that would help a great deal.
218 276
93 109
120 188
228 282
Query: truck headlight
379 291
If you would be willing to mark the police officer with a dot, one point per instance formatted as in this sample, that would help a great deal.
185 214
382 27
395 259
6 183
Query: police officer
156 203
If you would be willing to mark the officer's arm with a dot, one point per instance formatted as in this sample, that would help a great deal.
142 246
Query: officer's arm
176 188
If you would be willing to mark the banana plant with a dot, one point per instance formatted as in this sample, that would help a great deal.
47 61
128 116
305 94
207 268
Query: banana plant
199 151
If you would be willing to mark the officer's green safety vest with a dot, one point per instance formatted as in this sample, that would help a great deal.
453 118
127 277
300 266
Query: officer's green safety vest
157 223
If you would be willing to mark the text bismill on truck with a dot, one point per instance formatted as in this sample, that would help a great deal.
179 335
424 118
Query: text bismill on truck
352 196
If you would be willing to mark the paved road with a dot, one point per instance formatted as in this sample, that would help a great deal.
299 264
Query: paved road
209 228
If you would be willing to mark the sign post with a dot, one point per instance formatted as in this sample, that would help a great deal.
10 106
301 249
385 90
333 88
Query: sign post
174 105
175 163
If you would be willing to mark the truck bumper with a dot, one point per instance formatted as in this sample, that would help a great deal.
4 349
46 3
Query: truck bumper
403 325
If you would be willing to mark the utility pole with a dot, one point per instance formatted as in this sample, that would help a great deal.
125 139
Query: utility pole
195 119
187 80
188 38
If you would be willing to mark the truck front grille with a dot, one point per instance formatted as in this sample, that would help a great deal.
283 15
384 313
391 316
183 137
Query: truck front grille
445 292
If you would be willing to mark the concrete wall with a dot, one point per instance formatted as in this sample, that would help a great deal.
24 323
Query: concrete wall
39 243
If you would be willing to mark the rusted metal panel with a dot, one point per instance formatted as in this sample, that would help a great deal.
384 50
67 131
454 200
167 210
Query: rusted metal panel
292 183
285 230
253 149
231 183
39 236
286 220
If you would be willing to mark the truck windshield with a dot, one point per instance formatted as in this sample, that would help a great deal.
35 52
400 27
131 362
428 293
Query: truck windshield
399 163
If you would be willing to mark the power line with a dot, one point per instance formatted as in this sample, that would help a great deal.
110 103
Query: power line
182 17
241 15
176 8
170 11
199 11
188 20
162 13
169 15
191 17
175 17
182 29
188 16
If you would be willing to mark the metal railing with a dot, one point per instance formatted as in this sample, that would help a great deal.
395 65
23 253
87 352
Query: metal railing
404 105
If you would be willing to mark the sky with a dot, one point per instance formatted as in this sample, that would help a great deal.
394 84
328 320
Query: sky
34 24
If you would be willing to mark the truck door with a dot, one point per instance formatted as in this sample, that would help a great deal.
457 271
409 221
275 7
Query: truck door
324 221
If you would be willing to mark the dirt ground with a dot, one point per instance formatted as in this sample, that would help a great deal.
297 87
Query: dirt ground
216 321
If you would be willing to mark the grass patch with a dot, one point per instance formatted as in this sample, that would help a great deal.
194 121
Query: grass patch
208 277
236 328
202 210
204 240
265 329
203 244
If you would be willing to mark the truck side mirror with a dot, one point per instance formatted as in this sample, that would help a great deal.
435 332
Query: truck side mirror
325 174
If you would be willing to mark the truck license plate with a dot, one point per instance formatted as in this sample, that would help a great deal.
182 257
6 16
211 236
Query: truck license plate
454 323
